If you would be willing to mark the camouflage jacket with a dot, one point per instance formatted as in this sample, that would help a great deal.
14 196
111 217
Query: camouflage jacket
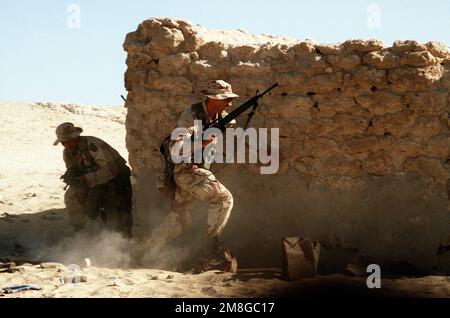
186 120
100 162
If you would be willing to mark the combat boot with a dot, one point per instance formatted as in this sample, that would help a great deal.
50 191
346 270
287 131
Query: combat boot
216 257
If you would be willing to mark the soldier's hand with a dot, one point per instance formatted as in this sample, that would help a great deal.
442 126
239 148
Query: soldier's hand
69 180
82 179
213 141
72 175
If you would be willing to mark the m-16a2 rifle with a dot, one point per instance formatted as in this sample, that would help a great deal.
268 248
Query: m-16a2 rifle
166 182
222 122
252 102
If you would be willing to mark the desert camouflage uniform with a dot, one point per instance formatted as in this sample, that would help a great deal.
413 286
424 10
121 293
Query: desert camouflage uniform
194 182
107 185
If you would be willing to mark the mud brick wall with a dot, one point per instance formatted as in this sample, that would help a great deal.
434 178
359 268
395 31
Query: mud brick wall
364 132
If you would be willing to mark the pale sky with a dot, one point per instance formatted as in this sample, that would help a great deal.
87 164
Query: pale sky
46 56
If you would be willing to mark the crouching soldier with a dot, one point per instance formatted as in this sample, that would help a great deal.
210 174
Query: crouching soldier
98 181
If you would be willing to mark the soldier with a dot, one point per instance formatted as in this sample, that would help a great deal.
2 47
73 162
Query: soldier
98 180
195 181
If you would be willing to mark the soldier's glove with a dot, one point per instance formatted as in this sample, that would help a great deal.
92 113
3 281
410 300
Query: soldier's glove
72 175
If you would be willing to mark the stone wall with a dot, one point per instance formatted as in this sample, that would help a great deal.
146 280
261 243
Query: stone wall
364 131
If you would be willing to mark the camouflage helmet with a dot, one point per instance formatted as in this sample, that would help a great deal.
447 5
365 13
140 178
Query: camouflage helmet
218 89
66 132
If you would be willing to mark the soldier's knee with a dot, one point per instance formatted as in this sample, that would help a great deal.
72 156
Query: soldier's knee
180 219
68 195
226 198
170 229
73 195
229 198
185 222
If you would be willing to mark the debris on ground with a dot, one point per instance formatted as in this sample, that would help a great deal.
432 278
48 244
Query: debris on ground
9 267
74 279
227 262
19 288
358 265
86 263
300 257
52 265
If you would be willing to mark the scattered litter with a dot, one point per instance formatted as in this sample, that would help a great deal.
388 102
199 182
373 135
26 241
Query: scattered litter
170 276
300 257
51 265
153 277
74 279
8 215
19 288
20 260
227 262
116 283
231 262
9 267
87 263
356 269
358 265
29 195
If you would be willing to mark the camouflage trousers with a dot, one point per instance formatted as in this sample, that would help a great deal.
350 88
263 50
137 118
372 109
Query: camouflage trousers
194 183
84 203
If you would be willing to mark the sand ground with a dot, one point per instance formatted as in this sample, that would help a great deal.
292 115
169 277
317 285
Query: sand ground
34 231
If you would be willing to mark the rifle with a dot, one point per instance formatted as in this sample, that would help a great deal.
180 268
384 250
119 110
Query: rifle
222 122
166 182
252 102
72 175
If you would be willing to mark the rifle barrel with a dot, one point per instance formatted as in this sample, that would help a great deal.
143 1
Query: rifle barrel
239 110
269 89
